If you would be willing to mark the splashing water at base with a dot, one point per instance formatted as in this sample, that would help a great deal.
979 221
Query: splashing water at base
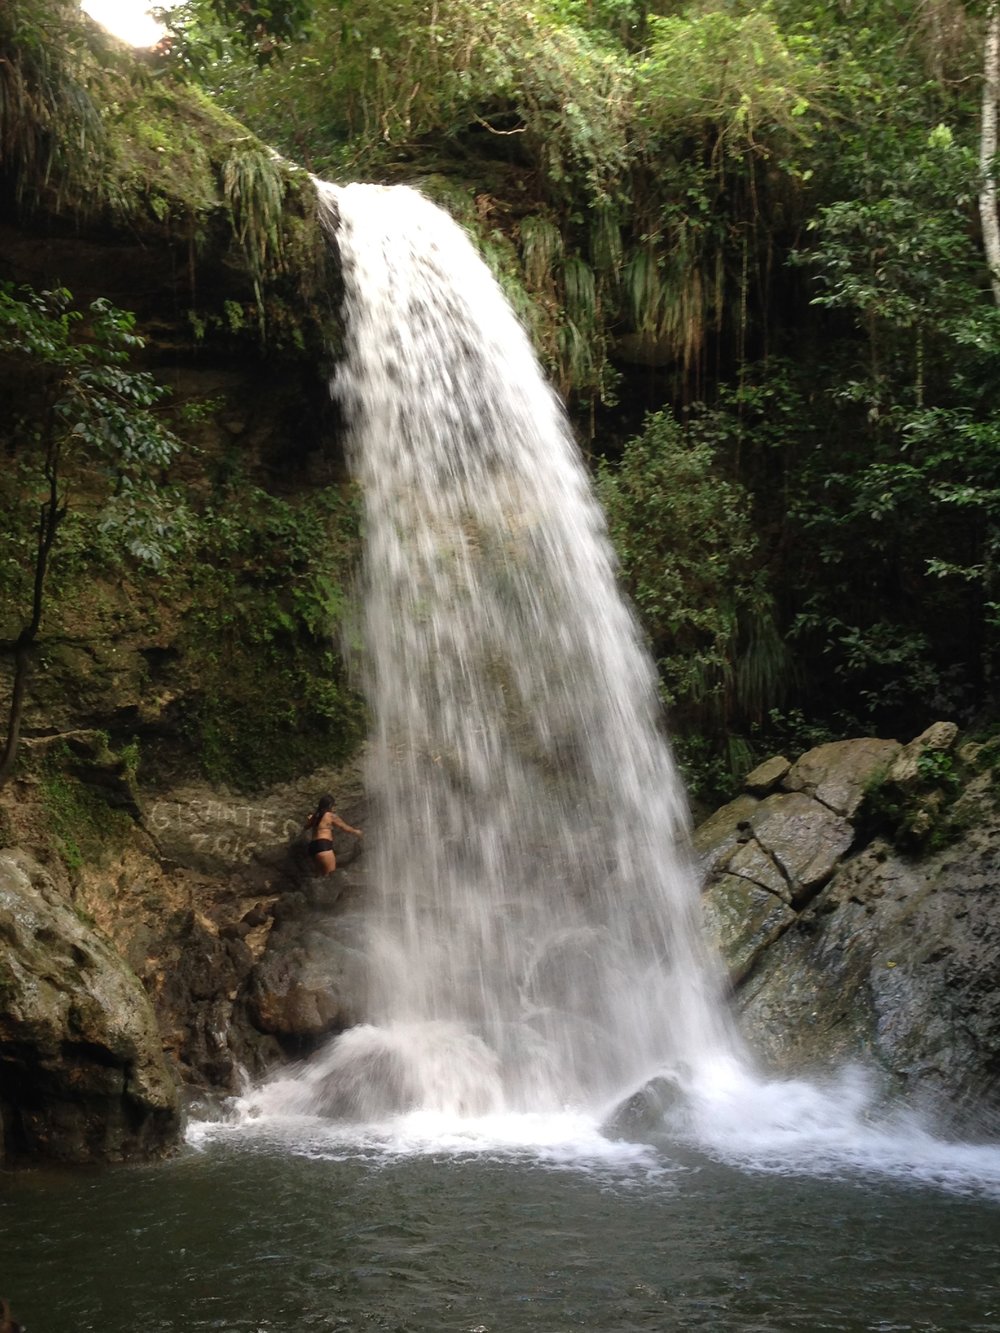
723 1113
534 953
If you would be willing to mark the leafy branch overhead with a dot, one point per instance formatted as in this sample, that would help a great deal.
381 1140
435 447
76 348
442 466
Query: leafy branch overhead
262 28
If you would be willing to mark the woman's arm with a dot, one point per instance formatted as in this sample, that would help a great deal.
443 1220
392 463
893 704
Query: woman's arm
346 827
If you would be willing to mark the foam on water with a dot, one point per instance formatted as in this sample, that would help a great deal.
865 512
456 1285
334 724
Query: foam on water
552 1140
788 1127
838 1127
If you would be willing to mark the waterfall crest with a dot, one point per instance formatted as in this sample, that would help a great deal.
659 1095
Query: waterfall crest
535 941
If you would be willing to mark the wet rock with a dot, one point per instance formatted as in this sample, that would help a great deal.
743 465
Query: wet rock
880 953
742 921
838 773
939 737
749 861
803 838
218 832
644 1112
290 906
898 964
307 986
715 839
766 776
233 935
196 928
195 976
82 1072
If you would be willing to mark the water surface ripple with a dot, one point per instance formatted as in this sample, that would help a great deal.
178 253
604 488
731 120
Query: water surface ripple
251 1236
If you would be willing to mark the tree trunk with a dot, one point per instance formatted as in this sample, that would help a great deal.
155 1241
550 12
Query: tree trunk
988 148
23 652
50 516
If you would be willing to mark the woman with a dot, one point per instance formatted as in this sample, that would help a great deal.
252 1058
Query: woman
322 821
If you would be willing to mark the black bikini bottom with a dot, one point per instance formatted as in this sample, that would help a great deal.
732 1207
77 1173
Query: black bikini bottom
320 845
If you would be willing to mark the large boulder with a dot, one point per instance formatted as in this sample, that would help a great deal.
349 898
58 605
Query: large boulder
244 951
208 898
845 939
82 1072
897 964
261 837
743 920
838 773
309 984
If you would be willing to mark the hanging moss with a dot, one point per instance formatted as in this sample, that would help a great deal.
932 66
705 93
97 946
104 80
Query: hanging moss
267 592
606 249
52 138
91 131
581 293
541 249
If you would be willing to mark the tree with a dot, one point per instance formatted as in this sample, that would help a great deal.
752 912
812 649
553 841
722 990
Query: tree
641 175
689 560
262 28
988 148
89 437
895 513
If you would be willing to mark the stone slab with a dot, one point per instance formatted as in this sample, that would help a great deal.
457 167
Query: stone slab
838 773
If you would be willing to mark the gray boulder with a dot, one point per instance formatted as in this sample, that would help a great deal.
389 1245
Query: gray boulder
215 831
743 920
82 1072
803 839
843 945
837 774
309 982
766 776
261 966
938 739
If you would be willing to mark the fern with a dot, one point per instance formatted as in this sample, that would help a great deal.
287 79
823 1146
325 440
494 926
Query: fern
254 189
580 291
541 250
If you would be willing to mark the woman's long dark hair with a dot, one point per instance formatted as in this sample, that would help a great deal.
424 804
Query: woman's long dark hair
323 805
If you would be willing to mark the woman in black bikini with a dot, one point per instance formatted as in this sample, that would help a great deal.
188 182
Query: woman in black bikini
322 821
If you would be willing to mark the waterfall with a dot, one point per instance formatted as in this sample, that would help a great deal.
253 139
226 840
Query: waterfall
534 942
534 951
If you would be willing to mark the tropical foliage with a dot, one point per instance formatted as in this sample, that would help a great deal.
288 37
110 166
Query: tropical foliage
746 239
88 440
689 561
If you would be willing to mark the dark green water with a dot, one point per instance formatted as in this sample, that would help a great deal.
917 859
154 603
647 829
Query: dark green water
252 1235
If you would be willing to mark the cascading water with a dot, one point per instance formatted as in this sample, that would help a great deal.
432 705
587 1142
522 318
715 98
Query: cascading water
535 942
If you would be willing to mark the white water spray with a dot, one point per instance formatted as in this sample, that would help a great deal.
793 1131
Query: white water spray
535 943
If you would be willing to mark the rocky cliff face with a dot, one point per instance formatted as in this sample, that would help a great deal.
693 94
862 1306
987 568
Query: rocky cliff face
854 897
151 944
258 962
83 1077
128 187
219 661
